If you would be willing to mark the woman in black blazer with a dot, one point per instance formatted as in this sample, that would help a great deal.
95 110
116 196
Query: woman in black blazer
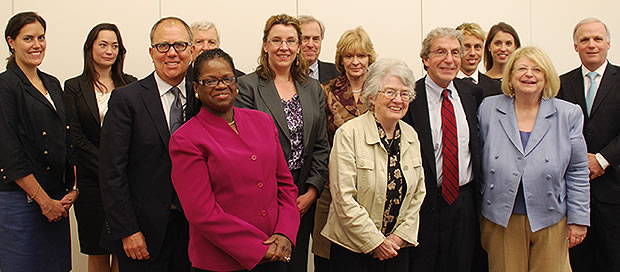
86 97
36 174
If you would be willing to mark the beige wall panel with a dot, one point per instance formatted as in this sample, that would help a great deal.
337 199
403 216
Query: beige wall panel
484 12
5 15
394 28
240 23
69 21
553 28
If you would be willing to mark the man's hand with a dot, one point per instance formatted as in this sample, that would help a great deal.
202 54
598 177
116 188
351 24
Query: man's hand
135 247
304 202
595 168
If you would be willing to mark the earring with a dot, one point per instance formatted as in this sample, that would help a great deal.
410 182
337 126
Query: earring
297 59
196 95
237 91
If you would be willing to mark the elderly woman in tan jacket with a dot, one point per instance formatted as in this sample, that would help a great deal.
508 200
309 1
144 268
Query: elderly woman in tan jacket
377 181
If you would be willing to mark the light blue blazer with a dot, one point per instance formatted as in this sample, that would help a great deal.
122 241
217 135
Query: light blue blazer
553 166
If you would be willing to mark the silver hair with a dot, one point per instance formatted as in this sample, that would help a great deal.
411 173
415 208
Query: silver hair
588 21
439 33
381 69
304 19
204 26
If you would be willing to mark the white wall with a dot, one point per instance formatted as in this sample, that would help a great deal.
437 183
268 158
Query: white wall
396 27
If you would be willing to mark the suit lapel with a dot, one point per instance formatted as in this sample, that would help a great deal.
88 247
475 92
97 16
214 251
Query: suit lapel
422 125
152 102
607 83
542 124
508 121
305 97
29 87
88 91
269 94
576 87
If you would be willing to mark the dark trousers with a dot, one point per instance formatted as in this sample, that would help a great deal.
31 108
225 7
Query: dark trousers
321 264
600 250
342 260
447 235
173 255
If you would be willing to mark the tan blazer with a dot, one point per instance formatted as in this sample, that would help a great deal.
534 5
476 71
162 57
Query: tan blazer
358 175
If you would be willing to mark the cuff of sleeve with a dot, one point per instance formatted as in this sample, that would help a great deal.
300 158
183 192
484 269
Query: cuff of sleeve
602 161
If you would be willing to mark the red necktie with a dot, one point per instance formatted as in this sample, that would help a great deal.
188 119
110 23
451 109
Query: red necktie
450 150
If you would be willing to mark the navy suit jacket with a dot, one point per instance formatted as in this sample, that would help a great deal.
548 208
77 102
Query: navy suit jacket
134 164
327 71
602 128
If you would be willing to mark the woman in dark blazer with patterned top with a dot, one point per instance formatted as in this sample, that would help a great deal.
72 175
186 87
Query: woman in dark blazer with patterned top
35 163
280 87
86 98
354 53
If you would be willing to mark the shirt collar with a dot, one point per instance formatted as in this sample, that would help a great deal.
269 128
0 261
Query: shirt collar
600 70
474 76
433 91
164 87
315 66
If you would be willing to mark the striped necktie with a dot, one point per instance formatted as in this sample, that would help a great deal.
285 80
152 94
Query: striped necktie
449 151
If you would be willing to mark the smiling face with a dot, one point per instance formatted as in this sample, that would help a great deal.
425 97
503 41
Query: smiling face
390 110
444 60
172 65
204 40
311 45
105 48
502 45
527 78
29 45
219 99
355 64
592 45
280 57
473 54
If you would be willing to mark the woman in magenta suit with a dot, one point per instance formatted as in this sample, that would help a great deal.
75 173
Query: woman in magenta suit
233 182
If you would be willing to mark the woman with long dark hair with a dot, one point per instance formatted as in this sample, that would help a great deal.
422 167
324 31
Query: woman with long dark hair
86 97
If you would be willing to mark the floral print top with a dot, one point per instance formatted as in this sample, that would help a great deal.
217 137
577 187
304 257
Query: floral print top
295 121
396 184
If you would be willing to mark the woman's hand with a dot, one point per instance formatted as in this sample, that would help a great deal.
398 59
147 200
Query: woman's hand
283 248
69 199
386 250
576 234
53 210
305 201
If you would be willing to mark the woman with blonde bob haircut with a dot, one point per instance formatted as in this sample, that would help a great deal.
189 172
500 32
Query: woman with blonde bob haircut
354 53
535 185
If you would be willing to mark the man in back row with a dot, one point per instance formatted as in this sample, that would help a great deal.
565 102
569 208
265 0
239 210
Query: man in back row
473 41
312 33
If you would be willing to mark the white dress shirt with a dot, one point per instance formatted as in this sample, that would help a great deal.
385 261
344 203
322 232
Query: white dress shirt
167 97
473 76
314 70
433 92
586 85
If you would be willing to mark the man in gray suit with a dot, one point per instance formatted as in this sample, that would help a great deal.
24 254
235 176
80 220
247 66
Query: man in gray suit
312 33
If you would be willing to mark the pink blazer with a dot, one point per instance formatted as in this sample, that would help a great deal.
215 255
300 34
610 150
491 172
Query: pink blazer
236 190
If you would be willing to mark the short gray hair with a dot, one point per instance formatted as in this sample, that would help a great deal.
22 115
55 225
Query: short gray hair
304 19
439 33
382 69
588 21
204 26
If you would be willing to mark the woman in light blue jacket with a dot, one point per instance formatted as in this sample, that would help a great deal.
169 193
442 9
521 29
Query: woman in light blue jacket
535 190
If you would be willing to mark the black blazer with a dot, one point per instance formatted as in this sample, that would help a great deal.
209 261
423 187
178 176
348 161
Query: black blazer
34 138
327 71
488 85
134 165
83 114
602 128
418 117
261 94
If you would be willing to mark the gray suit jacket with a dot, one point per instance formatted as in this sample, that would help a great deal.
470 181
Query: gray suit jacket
553 166
261 94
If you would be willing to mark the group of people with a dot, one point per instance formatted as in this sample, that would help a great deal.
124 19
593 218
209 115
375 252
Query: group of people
198 167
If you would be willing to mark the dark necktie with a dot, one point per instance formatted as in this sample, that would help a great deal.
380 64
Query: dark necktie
176 110
470 79
449 151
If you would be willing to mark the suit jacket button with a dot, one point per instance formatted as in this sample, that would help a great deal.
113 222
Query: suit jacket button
492 171
4 177
2 170
253 157
548 177
43 133
260 185
551 209
488 202
48 168
492 186
263 213
68 127
45 152
406 168
549 193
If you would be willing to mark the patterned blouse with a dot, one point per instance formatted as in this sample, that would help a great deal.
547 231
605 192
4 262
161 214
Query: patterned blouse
295 121
396 184
340 104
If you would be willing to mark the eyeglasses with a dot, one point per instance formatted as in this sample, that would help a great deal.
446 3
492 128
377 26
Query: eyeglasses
213 82
444 53
523 69
393 93
278 42
165 47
